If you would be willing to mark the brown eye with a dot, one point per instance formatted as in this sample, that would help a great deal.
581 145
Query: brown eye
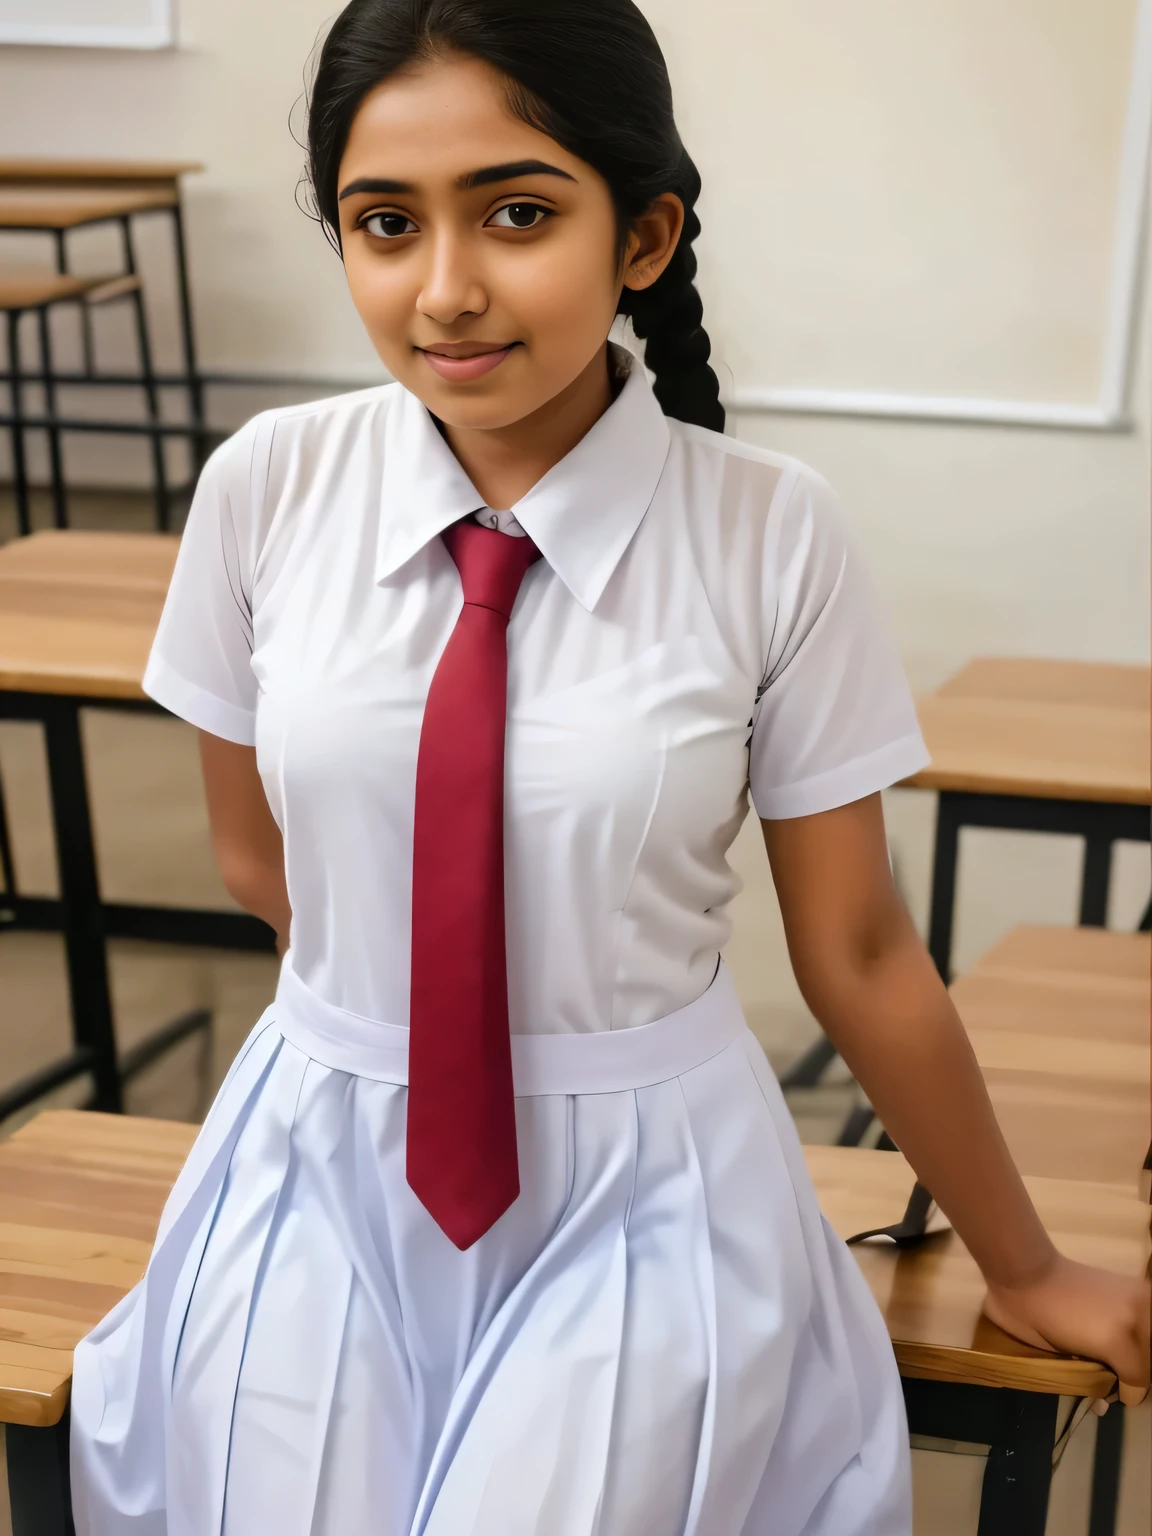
388 226
519 216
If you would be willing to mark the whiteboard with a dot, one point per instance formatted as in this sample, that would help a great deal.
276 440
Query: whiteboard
916 209
88 23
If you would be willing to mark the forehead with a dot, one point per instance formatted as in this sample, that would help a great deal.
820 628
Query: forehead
436 120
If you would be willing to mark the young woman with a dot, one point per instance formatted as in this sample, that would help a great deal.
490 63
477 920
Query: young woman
487 662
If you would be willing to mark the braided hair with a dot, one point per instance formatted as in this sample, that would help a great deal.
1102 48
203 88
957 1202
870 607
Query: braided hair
589 74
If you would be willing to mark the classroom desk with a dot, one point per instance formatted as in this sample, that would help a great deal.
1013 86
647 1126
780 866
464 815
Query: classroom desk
1039 746
963 1379
56 196
78 172
1059 1018
81 1194
77 615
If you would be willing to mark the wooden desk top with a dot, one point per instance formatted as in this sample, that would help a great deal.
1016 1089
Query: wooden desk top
93 171
27 290
1064 730
931 1296
1059 1021
78 611
31 289
63 207
80 1200
81 1195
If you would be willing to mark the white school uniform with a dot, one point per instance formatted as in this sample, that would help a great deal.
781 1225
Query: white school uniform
661 1337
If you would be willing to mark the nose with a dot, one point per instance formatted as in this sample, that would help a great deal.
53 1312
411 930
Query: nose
452 284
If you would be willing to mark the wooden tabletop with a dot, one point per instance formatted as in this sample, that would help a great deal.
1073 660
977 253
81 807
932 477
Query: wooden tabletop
64 207
78 611
81 172
33 289
81 1195
1059 1020
80 1200
931 1296
1064 730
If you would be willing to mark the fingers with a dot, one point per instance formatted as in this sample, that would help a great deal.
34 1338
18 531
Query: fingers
1132 1396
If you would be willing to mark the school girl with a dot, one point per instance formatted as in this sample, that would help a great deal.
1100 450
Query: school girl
499 1225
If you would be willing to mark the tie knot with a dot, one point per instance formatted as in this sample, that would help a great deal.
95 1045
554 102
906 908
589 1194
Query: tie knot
491 564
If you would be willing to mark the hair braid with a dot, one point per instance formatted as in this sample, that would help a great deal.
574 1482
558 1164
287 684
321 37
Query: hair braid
668 318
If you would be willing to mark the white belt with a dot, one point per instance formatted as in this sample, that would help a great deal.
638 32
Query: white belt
604 1061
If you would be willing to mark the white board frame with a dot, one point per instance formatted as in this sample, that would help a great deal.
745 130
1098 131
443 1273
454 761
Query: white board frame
158 32
1110 411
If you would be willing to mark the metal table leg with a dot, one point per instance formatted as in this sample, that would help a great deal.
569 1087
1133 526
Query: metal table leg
39 1483
55 457
83 920
86 338
195 383
949 820
1094 882
1020 1430
1106 1472
1018 1473
16 391
7 865
148 380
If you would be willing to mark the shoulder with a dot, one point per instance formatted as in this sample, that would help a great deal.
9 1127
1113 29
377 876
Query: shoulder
754 492
296 434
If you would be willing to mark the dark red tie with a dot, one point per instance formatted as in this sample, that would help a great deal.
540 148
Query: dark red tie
461 1153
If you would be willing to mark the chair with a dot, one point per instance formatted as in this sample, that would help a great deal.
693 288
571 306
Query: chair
38 293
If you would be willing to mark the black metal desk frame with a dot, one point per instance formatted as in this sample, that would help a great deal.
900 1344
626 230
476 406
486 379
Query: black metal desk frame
1101 823
1019 1429
86 922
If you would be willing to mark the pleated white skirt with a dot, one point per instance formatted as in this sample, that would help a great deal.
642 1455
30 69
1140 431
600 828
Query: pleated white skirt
661 1337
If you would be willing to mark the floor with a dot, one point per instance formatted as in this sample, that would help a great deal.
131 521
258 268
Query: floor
152 845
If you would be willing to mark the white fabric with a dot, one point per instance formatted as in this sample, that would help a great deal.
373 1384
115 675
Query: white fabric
700 620
660 1338
604 1061
502 521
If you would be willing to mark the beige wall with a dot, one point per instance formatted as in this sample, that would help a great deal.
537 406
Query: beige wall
898 196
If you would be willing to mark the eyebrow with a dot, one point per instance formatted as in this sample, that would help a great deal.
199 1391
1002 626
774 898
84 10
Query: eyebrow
481 178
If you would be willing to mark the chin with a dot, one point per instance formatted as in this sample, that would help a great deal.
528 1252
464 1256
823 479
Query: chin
489 415
471 407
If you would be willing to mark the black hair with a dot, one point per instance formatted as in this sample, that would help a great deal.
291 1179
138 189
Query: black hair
589 74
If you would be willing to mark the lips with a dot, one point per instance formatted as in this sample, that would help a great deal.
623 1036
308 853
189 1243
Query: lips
459 370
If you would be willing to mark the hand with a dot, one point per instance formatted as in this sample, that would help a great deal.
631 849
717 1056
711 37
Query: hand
1077 1310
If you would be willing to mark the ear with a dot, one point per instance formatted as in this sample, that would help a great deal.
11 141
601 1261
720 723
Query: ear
652 242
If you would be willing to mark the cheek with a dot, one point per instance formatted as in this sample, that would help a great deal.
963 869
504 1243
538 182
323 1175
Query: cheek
562 287
378 291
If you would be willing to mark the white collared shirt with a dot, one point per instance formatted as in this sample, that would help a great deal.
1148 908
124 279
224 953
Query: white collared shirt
700 626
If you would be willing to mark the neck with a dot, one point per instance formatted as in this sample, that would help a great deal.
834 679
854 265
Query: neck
504 463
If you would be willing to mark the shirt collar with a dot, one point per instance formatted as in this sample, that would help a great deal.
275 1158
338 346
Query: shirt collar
581 515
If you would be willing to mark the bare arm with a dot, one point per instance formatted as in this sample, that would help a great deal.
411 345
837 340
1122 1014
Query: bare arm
870 982
246 841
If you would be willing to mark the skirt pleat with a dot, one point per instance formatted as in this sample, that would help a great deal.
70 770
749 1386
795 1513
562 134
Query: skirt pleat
661 1337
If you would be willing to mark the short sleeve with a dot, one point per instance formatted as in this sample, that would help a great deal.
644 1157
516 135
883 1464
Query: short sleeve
200 666
834 718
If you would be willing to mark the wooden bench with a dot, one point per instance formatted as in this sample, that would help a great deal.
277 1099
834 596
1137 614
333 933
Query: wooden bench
1036 746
